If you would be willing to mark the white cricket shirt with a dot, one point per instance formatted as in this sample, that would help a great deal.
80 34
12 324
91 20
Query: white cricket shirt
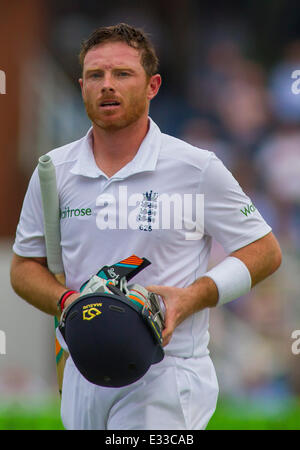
166 205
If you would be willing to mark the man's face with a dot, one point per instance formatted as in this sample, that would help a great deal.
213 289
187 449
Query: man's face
115 88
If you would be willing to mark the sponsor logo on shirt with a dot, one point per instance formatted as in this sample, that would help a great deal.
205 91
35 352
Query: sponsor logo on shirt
67 213
249 209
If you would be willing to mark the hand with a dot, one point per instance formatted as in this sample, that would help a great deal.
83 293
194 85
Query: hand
179 304
71 299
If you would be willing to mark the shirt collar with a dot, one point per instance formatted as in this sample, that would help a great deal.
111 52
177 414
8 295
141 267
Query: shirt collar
144 160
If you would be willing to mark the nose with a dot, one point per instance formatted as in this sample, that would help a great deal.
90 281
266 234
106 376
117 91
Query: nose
107 89
107 84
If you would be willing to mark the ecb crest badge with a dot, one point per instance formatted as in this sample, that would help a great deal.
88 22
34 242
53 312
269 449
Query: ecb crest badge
148 211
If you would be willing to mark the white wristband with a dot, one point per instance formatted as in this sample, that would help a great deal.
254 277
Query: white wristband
232 278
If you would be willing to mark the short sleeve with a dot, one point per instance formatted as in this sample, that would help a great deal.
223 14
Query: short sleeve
230 217
29 239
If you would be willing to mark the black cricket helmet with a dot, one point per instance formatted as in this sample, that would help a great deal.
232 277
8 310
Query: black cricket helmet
112 339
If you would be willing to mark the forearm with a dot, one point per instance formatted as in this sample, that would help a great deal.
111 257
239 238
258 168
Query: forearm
262 257
233 279
31 280
238 273
203 293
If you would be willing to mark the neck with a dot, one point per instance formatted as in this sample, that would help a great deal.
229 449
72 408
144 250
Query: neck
113 149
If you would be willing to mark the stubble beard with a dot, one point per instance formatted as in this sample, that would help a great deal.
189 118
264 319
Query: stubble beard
135 110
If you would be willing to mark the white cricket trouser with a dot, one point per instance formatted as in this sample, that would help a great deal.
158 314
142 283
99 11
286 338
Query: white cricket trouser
175 394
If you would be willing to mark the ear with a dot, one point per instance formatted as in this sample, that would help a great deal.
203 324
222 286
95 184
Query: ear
80 81
153 86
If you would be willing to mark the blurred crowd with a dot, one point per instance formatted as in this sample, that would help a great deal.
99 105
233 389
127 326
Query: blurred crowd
218 95
251 119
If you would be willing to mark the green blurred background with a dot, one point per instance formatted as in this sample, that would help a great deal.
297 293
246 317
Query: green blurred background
227 73
229 415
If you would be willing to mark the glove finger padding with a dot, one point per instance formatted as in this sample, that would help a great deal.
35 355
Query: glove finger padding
95 284
145 299
148 303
